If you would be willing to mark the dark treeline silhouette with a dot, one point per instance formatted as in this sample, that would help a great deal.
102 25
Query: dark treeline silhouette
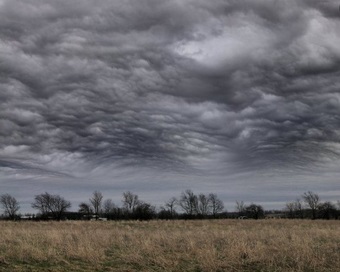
187 206
310 206
252 211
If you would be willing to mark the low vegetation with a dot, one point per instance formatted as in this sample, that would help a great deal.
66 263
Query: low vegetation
175 245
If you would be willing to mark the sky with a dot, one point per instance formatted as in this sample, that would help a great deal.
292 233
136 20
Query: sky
235 97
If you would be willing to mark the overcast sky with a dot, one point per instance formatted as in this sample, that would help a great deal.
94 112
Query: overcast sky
239 98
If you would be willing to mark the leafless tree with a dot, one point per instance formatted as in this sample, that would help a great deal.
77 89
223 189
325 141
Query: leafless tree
203 205
10 205
312 201
290 209
294 209
130 201
109 206
298 208
240 207
96 202
171 204
216 205
53 204
189 202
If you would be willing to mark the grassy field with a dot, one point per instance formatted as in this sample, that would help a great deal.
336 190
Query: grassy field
216 245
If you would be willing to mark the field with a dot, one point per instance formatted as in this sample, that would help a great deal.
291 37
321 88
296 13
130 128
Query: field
214 245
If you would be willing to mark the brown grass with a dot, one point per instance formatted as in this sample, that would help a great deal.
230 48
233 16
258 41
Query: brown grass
217 245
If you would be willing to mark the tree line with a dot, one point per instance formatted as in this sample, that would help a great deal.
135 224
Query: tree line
187 206
311 206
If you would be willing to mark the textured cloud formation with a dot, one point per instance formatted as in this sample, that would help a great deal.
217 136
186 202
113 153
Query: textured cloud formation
184 86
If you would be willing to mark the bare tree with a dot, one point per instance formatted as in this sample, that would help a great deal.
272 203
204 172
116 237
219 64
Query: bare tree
312 200
10 205
203 205
240 208
294 209
96 202
290 209
130 201
188 202
216 205
53 204
171 204
298 209
109 206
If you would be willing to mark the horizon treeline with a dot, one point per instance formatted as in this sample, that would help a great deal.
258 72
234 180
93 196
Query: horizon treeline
187 206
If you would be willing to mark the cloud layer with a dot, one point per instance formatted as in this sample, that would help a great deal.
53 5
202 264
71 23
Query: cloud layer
186 86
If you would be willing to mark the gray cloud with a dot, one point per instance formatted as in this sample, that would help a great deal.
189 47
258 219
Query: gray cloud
186 86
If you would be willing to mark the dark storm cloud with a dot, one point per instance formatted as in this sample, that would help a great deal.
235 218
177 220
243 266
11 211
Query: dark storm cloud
170 83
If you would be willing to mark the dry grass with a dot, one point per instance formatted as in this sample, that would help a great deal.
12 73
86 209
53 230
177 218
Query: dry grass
218 245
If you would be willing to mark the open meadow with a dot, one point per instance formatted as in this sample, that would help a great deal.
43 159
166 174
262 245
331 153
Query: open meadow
202 245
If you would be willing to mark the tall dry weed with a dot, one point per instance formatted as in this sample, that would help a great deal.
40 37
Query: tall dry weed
216 245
